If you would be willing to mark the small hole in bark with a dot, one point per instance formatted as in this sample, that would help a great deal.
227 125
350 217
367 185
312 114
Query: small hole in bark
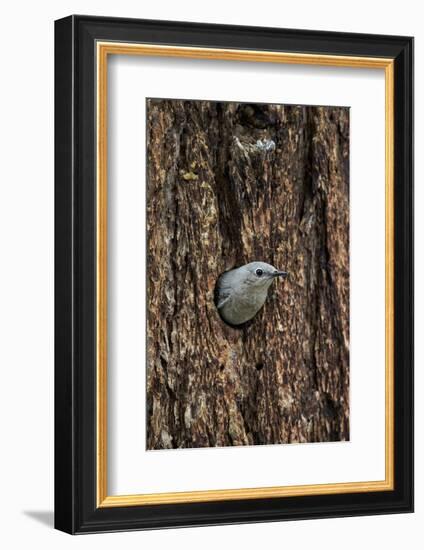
259 366
221 368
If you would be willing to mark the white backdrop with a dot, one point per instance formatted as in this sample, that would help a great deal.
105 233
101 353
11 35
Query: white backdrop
26 289
131 80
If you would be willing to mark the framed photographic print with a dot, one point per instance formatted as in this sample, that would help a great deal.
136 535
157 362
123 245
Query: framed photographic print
234 274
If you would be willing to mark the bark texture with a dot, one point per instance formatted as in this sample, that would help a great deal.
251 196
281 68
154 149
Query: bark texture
227 184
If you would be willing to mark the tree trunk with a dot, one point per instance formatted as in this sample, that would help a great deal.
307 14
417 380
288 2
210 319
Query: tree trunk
227 184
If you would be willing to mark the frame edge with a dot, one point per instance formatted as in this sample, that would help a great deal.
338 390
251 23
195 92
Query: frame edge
64 449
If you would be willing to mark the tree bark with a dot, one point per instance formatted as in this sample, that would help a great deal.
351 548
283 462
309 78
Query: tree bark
227 184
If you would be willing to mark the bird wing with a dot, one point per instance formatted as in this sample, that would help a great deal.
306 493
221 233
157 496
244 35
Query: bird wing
224 289
224 297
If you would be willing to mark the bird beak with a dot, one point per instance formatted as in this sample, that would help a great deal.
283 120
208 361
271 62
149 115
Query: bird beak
282 274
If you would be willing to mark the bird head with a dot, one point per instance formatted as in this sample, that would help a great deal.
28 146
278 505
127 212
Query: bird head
259 275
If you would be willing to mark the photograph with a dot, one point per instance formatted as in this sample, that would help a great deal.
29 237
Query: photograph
247 277
210 307
233 254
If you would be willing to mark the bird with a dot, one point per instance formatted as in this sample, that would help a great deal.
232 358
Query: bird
241 292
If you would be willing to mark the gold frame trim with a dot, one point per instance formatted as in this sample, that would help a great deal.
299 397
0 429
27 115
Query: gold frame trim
119 48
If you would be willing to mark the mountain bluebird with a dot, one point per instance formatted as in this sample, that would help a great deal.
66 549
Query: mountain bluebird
241 292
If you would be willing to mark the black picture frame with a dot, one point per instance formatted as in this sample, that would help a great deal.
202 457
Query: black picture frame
76 509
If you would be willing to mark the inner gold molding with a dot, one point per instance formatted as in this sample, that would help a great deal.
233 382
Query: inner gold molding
103 50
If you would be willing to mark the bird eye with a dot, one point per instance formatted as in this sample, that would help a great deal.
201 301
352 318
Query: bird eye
259 272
